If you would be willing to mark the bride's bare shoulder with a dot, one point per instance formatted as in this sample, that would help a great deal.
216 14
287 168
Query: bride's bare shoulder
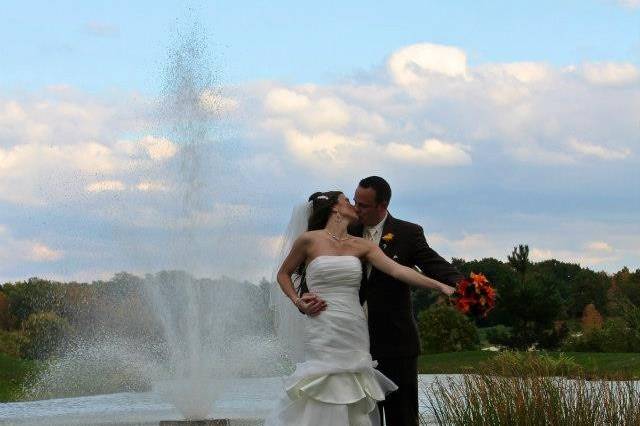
309 236
359 240
361 244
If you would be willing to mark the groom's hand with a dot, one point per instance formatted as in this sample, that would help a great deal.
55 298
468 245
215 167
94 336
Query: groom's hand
311 304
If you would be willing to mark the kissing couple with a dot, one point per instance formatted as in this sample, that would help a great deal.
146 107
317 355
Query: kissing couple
348 268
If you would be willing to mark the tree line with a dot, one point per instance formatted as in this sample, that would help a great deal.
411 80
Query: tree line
546 305
39 317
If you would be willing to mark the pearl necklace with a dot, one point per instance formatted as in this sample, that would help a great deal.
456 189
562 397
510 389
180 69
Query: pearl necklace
335 237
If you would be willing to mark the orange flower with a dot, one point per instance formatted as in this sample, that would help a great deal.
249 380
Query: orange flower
479 278
463 305
387 237
474 295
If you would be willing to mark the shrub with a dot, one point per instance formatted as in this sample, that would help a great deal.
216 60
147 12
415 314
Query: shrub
499 335
444 329
621 334
43 332
591 319
11 343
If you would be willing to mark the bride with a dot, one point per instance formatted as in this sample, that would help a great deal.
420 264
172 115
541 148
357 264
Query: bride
335 383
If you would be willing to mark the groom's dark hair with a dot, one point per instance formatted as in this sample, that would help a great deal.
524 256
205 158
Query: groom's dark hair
380 186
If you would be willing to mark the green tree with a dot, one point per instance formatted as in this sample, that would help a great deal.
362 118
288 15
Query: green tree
33 296
519 260
629 284
44 332
6 321
444 329
577 286
535 306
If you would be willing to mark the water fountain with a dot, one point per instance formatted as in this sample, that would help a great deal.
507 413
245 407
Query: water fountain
209 350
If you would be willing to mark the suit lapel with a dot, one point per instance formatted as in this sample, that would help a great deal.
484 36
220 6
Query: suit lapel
387 229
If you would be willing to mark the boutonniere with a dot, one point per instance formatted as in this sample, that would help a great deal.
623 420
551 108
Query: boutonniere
387 238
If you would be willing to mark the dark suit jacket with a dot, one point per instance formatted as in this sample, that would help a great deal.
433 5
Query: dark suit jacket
392 327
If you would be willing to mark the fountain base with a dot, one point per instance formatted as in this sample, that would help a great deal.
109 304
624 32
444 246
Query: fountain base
219 422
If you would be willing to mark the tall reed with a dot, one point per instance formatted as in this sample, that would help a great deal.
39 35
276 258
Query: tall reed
510 391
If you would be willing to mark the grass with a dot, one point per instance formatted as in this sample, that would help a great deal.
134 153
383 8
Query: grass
452 362
594 365
522 389
13 372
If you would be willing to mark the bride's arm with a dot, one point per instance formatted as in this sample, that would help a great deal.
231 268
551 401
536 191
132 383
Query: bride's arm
380 261
309 304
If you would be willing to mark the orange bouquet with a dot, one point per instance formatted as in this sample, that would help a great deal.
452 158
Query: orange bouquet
474 296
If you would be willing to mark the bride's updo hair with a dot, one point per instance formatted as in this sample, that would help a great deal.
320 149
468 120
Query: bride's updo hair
323 203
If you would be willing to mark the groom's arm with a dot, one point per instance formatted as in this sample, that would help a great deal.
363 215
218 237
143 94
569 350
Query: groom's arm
431 263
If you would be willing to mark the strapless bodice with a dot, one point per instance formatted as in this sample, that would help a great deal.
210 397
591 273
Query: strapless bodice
336 279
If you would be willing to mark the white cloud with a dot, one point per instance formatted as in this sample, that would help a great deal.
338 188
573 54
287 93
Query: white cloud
52 145
524 72
538 255
318 113
41 253
599 246
280 100
517 111
593 150
432 152
589 258
630 3
327 113
150 186
15 251
105 186
216 103
470 246
412 65
159 148
326 150
610 74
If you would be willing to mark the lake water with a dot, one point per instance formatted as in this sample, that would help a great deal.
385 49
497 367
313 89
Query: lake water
248 399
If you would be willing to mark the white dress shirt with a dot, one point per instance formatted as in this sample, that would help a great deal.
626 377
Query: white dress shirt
374 233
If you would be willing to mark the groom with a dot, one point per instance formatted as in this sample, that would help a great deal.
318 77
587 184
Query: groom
393 331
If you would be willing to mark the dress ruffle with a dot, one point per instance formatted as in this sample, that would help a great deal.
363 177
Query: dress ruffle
348 396
341 388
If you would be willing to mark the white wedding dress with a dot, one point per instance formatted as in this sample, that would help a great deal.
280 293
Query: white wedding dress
337 383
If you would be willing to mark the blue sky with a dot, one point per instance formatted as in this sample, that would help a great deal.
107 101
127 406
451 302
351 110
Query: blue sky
103 44
497 123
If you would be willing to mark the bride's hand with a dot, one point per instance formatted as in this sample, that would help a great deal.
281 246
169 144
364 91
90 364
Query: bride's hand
311 304
448 290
